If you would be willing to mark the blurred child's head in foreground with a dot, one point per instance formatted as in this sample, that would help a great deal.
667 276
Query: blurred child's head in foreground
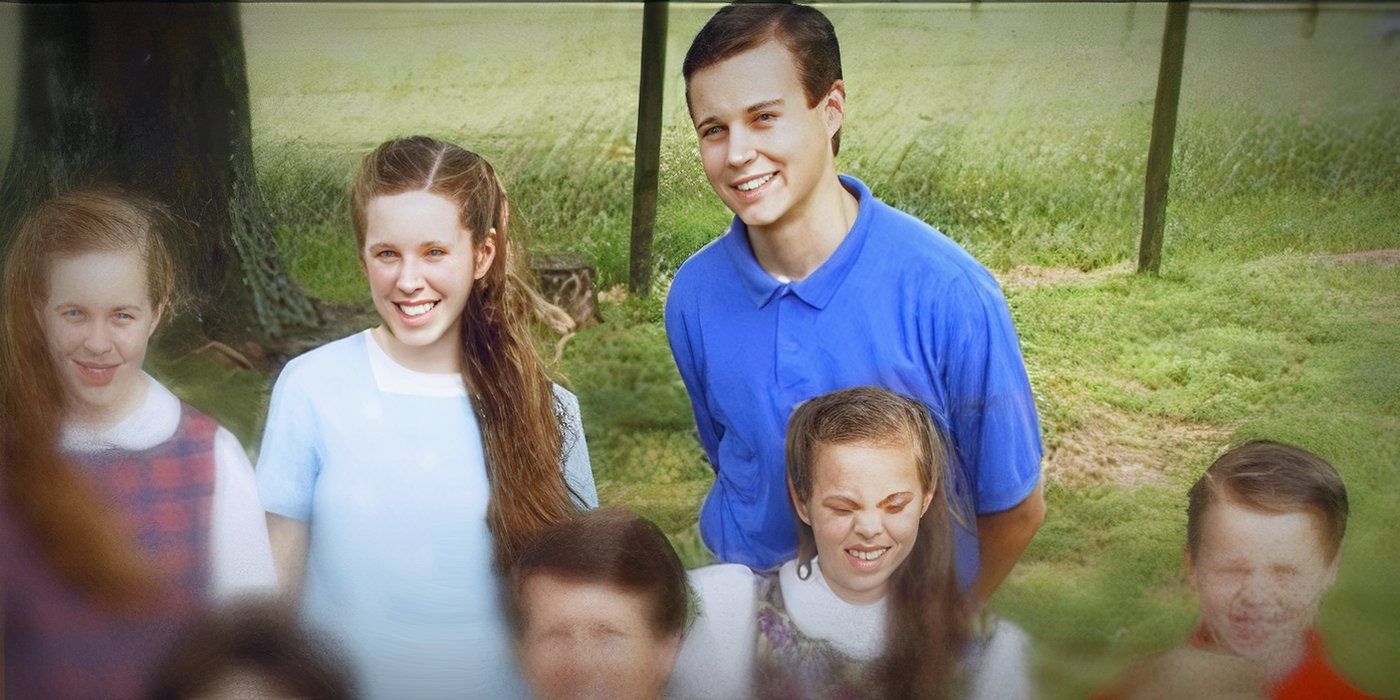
253 649
599 604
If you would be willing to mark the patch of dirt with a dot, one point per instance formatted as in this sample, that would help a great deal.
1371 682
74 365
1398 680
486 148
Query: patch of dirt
1388 257
1386 309
1112 447
1033 276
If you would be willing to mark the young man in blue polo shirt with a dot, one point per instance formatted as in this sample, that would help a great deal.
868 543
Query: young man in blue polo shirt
817 286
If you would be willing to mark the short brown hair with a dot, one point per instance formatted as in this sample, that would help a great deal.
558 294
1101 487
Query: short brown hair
613 546
805 31
1275 478
256 636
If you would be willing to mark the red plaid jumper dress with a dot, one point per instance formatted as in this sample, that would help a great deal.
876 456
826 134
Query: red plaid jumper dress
58 644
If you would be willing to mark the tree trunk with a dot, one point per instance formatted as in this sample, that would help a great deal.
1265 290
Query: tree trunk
155 98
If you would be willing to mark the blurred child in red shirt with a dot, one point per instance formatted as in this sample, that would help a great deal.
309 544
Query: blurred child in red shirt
1263 532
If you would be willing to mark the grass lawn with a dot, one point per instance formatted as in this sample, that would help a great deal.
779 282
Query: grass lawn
1021 131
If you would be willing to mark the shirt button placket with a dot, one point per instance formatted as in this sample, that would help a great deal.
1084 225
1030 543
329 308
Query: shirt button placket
788 360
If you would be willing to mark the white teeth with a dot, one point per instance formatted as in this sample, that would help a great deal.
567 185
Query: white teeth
868 556
754 184
418 309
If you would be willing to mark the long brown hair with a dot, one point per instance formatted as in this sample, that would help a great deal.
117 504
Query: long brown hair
521 423
929 622
62 510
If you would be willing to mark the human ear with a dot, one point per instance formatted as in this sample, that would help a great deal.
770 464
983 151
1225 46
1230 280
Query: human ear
669 648
485 254
798 505
1332 569
924 502
833 106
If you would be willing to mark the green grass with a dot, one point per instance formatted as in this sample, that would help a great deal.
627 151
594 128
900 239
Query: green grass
1019 130
1288 348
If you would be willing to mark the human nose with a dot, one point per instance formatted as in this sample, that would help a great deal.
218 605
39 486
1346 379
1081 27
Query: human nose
1255 591
410 277
576 665
868 525
740 148
98 338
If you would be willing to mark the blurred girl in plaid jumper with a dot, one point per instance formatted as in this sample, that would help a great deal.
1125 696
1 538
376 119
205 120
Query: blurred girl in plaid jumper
122 509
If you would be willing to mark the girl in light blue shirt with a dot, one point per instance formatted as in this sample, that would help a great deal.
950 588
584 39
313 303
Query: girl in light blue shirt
402 465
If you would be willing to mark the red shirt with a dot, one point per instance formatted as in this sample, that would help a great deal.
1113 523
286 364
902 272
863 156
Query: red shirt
1315 677
1312 678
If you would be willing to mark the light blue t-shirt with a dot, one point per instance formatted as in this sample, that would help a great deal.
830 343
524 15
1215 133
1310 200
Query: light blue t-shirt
387 465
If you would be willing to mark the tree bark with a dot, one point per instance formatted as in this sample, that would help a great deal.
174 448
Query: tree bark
647 163
155 98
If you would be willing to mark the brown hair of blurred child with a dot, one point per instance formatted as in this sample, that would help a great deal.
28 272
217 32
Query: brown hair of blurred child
598 605
253 649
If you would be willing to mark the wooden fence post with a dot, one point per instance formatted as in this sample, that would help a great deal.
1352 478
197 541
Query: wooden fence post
647 161
1159 153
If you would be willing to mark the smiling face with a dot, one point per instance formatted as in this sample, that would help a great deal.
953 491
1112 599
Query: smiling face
421 265
97 322
864 511
590 640
1260 577
764 150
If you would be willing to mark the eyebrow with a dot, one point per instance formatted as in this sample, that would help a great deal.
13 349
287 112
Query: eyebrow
756 107
760 106
603 628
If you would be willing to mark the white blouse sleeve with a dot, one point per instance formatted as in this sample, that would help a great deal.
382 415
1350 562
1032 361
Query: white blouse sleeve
1002 670
717 657
240 556
578 471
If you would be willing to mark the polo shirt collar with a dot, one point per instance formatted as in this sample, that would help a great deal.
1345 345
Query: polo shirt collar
820 286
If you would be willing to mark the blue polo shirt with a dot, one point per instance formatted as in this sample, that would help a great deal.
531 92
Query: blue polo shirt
897 305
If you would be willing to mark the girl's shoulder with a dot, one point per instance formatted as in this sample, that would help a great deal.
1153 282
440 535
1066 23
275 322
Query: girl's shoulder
566 398
723 591
723 575
331 362
718 651
999 662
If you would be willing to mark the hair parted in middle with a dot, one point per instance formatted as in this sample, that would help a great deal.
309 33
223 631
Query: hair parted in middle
613 546
929 623
522 425
804 31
